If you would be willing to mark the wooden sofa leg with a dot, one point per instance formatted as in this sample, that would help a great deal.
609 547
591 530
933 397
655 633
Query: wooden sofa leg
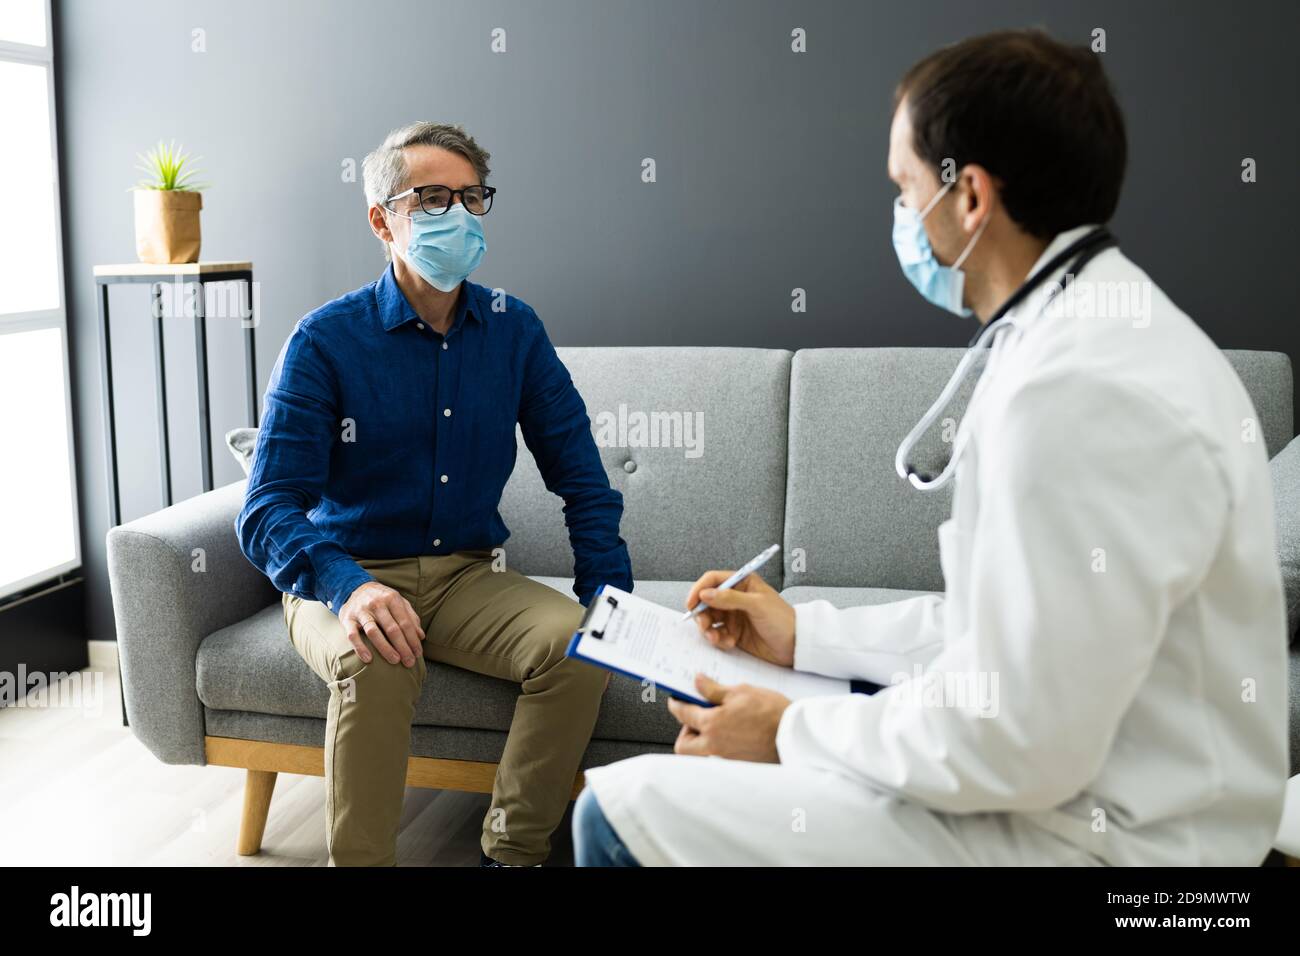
257 804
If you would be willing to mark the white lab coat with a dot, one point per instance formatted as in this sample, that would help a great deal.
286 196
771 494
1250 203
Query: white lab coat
1110 563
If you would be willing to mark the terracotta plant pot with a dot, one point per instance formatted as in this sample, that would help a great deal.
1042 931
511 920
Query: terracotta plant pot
167 225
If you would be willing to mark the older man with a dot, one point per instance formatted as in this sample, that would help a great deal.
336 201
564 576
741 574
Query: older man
389 433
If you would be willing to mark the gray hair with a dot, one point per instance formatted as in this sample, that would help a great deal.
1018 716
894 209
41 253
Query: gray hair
384 171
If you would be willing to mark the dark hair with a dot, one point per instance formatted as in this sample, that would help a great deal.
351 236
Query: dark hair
1037 114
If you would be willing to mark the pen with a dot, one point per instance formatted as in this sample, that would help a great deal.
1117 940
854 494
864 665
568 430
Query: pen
736 578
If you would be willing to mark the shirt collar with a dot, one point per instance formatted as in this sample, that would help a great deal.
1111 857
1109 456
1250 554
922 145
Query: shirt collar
1059 245
1034 302
395 311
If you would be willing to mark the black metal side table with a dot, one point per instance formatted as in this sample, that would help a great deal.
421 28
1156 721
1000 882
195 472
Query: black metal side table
178 277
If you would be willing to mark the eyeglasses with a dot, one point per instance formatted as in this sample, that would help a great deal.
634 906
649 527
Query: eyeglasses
436 200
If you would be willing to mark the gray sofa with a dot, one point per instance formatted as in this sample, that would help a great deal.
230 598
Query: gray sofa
797 448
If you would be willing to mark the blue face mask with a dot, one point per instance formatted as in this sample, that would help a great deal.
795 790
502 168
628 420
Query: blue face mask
445 249
942 285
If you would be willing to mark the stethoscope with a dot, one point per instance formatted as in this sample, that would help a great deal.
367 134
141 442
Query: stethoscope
1083 249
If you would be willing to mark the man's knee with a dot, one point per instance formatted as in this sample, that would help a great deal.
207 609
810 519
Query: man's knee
378 681
550 629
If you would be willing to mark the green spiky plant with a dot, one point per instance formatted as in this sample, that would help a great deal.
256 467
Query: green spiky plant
169 167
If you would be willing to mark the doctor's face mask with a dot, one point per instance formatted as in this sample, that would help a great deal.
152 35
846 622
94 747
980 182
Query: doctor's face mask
939 284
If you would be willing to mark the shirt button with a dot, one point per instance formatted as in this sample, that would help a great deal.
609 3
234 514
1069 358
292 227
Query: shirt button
444 345
330 605
443 479
437 541
420 326
446 413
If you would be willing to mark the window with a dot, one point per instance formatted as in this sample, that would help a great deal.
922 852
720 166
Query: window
38 502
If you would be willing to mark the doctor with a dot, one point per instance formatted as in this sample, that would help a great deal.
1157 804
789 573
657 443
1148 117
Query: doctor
1109 561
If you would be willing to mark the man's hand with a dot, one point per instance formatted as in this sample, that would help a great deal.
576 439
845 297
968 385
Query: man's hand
387 619
741 727
752 616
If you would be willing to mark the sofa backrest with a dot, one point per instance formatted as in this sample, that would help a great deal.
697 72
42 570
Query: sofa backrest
1267 377
714 504
849 520
834 502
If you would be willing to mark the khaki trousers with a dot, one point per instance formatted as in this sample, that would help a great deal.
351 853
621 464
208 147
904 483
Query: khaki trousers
499 623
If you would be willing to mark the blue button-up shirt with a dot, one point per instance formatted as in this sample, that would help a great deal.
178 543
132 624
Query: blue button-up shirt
382 438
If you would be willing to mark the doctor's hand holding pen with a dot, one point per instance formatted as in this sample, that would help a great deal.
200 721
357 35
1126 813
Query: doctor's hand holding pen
751 615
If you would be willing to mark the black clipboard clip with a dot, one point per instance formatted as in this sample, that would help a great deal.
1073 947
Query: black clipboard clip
598 615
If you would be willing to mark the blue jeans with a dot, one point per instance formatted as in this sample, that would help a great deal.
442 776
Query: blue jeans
594 841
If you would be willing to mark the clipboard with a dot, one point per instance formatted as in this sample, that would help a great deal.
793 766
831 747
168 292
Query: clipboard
593 624
601 622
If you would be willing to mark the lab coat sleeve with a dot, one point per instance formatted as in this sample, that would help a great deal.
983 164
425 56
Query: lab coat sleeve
876 643
1099 512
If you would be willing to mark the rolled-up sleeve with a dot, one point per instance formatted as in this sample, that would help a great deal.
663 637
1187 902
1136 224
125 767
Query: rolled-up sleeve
288 475
556 430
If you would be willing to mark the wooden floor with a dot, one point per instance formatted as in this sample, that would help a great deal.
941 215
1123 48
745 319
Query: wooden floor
77 789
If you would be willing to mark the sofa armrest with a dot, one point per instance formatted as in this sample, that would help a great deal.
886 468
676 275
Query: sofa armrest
1284 469
177 575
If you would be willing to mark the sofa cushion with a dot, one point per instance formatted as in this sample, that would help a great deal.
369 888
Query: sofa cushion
1293 671
667 593
850 521
1285 471
713 504
252 666
848 597
447 743
242 442
1267 378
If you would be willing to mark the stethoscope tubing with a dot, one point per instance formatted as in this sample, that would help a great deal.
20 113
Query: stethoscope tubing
1083 250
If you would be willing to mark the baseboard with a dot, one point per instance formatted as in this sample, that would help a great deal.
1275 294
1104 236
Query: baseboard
45 631
103 656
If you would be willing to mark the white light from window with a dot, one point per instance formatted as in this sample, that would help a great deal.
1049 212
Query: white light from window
28 253
23 21
37 531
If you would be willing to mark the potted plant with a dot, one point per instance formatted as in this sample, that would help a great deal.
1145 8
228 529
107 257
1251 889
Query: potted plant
167 206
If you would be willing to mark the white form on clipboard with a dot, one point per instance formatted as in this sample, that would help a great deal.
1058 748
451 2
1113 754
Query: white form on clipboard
628 634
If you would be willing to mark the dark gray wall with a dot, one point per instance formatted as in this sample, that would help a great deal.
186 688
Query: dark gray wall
770 170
